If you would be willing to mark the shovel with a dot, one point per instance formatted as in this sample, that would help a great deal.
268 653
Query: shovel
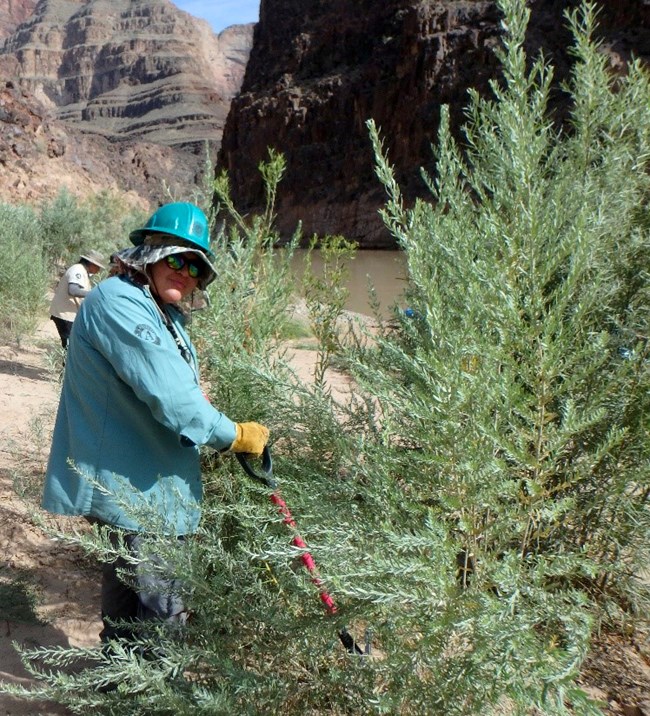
265 476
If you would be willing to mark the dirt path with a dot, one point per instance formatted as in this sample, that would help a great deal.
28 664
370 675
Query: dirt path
67 583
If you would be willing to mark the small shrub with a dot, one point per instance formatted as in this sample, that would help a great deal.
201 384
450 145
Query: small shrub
70 225
326 294
23 272
19 598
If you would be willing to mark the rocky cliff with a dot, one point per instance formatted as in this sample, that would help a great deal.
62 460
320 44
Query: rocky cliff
40 156
318 70
126 79
13 13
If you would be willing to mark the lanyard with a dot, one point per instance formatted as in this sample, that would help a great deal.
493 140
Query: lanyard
179 339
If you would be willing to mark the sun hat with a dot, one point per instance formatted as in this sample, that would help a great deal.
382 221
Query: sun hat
158 247
94 257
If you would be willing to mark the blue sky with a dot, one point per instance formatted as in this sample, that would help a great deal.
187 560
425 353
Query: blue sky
222 13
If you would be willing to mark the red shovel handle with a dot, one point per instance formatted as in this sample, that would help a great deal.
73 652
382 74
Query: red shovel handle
266 478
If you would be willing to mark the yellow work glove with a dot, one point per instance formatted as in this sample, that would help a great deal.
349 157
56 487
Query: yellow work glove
251 438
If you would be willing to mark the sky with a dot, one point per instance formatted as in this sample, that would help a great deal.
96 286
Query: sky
222 13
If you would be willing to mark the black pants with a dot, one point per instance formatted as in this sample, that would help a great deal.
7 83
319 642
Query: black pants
63 327
142 595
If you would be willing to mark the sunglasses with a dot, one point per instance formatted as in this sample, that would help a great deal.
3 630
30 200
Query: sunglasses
194 266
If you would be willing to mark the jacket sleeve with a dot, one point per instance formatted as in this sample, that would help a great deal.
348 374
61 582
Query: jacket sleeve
126 328
76 291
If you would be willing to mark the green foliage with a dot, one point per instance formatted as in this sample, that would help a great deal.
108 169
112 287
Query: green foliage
63 226
38 242
19 598
70 225
259 232
529 285
514 398
23 271
248 311
239 569
480 502
326 294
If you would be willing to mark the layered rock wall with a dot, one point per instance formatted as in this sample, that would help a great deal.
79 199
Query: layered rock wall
40 156
13 13
125 69
320 68
122 94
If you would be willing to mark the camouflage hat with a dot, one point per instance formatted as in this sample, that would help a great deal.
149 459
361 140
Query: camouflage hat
139 257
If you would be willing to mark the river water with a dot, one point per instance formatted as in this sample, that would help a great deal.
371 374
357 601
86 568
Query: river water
386 270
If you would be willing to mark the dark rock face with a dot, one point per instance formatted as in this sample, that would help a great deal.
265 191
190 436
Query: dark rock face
319 69
140 79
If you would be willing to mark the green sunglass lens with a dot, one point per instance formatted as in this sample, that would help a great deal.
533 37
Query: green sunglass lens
175 262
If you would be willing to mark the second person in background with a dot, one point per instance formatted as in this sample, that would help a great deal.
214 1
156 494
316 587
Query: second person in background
71 290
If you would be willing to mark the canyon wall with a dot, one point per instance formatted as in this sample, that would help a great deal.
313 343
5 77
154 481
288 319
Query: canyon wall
319 69
129 82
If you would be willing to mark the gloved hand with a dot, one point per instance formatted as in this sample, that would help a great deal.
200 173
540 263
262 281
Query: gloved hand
251 438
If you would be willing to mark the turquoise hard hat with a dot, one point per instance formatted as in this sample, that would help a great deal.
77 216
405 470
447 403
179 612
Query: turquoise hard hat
180 219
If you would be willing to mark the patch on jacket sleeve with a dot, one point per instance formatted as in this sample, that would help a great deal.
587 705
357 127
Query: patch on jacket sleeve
147 333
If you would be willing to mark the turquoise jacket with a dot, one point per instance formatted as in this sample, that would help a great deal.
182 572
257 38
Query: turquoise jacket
131 416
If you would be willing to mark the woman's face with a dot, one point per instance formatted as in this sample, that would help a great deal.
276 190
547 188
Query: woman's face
172 284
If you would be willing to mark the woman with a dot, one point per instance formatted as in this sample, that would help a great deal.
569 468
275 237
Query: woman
132 415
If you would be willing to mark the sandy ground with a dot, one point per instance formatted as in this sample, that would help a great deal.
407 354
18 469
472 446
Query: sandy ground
68 583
